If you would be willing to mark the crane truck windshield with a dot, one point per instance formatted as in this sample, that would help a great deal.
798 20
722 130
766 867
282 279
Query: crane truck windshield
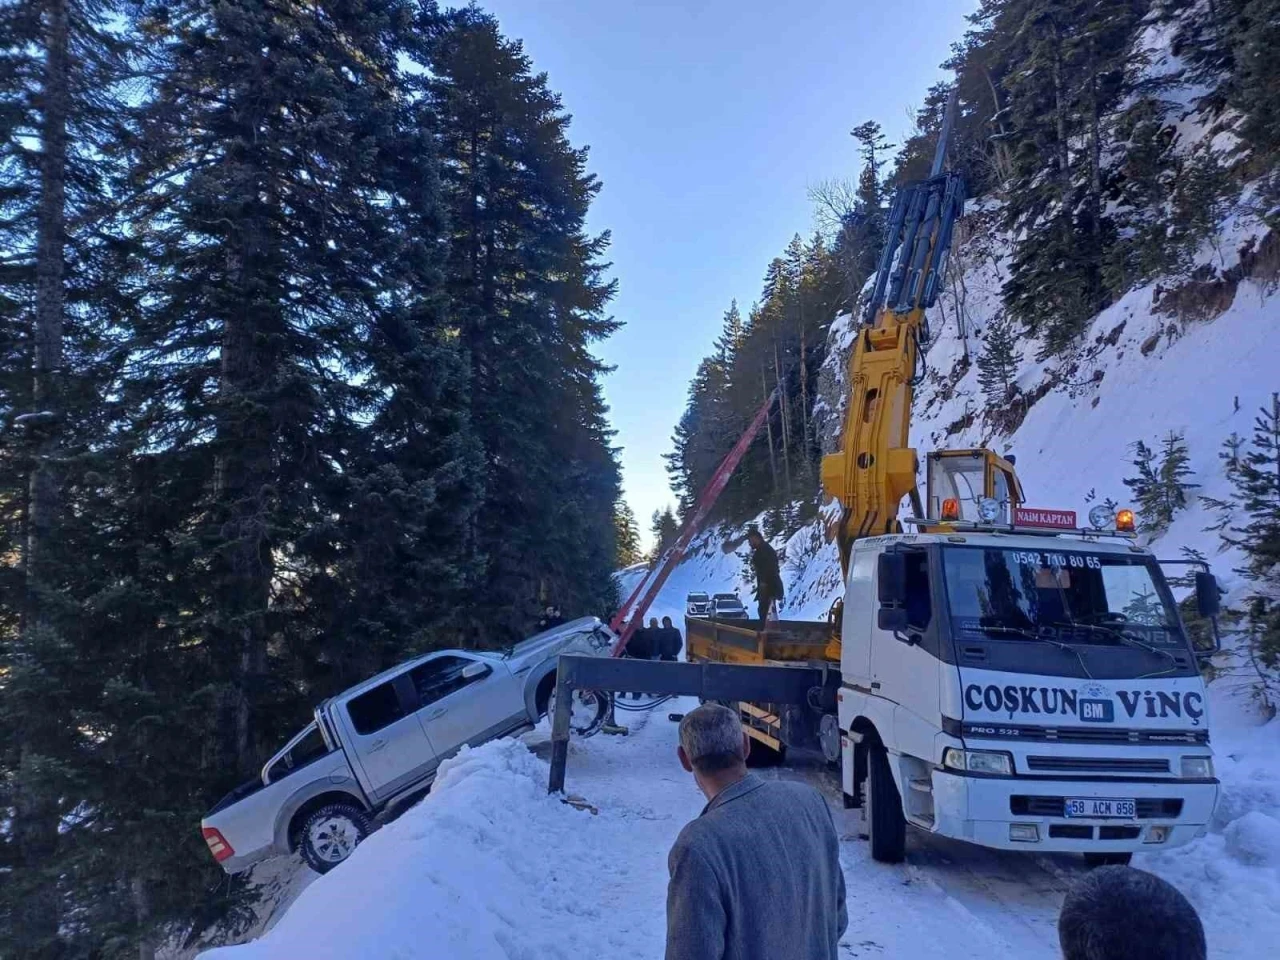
1093 602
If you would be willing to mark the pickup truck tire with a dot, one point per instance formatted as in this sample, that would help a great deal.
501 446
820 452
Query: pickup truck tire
331 833
1107 859
883 810
590 709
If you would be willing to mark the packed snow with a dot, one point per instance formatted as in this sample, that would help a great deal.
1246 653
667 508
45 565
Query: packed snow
489 867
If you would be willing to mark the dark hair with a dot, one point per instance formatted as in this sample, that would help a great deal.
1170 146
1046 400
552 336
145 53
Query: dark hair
1117 913
666 620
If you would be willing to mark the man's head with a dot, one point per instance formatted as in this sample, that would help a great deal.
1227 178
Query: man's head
653 622
666 621
1117 913
754 536
713 747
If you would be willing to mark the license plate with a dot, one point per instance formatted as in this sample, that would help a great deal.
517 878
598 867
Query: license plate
1090 807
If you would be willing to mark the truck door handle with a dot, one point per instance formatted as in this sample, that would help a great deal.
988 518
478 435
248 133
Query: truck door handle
377 745
437 713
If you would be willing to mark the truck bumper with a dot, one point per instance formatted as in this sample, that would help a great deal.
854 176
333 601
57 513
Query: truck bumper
243 861
984 809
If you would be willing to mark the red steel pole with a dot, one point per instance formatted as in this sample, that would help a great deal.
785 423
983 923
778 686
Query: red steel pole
625 625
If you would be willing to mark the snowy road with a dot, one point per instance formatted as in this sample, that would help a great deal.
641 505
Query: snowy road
1003 902
488 867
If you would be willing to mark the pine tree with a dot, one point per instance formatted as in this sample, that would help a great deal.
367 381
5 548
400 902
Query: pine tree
1256 482
628 536
60 124
1160 488
665 529
528 298
1146 487
1173 473
998 362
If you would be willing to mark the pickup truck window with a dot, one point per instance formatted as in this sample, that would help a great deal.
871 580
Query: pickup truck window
311 747
375 709
436 679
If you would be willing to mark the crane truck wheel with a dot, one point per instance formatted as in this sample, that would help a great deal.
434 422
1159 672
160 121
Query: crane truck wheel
330 834
882 809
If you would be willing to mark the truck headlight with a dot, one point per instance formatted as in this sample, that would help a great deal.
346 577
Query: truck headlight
1197 768
978 761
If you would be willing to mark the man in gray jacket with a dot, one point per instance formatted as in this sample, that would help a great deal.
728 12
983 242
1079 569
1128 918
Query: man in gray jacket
757 876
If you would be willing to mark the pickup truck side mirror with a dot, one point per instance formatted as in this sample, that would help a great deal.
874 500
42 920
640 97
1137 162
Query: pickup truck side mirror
475 669
1208 595
891 578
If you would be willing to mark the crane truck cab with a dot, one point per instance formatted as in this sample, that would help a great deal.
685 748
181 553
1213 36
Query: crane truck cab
1021 690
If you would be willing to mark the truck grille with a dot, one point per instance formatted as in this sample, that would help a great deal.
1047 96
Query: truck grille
1103 764
1148 808
1075 831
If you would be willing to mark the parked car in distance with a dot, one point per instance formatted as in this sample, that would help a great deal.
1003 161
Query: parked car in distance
727 606
697 605
382 740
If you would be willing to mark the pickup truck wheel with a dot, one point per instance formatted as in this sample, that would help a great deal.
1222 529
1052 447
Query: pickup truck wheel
1107 859
883 810
330 834
590 709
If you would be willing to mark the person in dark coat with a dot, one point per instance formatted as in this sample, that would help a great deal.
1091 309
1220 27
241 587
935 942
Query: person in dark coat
670 643
764 561
640 646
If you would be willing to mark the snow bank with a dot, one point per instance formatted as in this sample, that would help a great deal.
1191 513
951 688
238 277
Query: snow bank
487 867
1232 876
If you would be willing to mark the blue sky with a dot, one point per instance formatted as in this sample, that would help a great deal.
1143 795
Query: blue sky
708 120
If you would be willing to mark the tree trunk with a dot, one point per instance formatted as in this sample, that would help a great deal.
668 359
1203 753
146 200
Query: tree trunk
768 425
242 478
1059 113
244 471
1004 163
804 391
35 826
786 432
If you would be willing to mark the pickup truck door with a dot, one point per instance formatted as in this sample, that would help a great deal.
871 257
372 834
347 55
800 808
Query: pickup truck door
466 700
389 742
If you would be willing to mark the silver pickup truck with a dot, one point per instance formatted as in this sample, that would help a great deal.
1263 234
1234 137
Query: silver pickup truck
381 742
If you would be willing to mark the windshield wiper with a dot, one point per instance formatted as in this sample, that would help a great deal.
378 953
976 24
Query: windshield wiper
1121 636
1032 635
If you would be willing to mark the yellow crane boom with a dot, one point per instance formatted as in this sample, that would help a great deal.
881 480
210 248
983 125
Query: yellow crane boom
874 467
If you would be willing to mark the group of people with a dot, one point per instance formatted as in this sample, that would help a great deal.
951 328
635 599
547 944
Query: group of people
655 642
757 875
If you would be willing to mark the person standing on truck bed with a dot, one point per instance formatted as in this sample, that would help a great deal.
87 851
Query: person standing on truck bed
764 561
757 876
